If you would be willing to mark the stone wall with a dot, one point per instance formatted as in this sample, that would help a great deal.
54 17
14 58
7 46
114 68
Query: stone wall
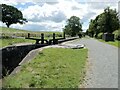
13 55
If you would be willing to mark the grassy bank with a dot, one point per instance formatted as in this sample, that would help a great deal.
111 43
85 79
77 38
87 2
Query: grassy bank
13 30
52 68
9 32
7 42
23 33
114 43
11 41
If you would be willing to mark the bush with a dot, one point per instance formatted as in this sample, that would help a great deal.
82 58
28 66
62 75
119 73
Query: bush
58 35
7 35
100 35
117 34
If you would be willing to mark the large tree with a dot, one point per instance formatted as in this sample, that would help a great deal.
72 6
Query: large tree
73 26
110 20
92 28
11 15
105 22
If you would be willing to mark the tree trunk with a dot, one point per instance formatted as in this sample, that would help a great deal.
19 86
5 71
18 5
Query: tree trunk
8 25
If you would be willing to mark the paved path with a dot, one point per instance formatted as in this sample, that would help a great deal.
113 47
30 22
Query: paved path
103 64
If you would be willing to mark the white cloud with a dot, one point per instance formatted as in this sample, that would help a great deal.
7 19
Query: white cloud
38 26
98 1
2 24
103 1
52 14
15 2
45 13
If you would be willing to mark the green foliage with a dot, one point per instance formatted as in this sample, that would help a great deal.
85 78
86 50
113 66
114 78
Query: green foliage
105 22
100 35
91 28
73 26
117 34
110 20
11 15
11 41
52 68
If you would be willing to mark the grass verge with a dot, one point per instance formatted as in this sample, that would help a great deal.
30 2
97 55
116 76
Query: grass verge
11 41
52 68
114 43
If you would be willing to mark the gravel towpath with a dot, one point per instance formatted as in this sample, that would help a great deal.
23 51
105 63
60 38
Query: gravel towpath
102 69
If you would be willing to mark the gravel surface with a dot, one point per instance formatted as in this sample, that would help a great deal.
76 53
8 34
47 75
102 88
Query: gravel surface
102 71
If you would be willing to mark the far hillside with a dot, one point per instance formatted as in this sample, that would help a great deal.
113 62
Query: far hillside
13 30
23 33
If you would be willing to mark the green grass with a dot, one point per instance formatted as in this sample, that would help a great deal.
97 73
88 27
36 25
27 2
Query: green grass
7 42
8 32
24 33
18 31
52 68
11 41
114 43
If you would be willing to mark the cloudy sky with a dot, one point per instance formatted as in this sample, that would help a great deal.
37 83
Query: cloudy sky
51 15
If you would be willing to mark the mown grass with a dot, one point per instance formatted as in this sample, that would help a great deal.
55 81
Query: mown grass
11 41
114 43
52 68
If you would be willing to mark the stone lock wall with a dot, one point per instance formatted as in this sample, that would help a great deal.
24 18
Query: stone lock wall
13 55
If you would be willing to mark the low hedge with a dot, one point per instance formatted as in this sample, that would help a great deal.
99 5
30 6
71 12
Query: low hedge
117 34
100 36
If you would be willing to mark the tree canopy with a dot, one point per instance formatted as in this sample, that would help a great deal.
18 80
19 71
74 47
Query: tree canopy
11 15
105 22
73 26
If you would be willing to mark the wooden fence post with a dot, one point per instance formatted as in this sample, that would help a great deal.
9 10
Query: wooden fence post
42 38
28 35
64 35
53 38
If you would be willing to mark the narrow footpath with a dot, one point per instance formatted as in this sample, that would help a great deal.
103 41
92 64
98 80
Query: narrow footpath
102 69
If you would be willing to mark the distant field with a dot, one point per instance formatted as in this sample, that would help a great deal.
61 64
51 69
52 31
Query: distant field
12 41
11 30
18 31
7 42
8 33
